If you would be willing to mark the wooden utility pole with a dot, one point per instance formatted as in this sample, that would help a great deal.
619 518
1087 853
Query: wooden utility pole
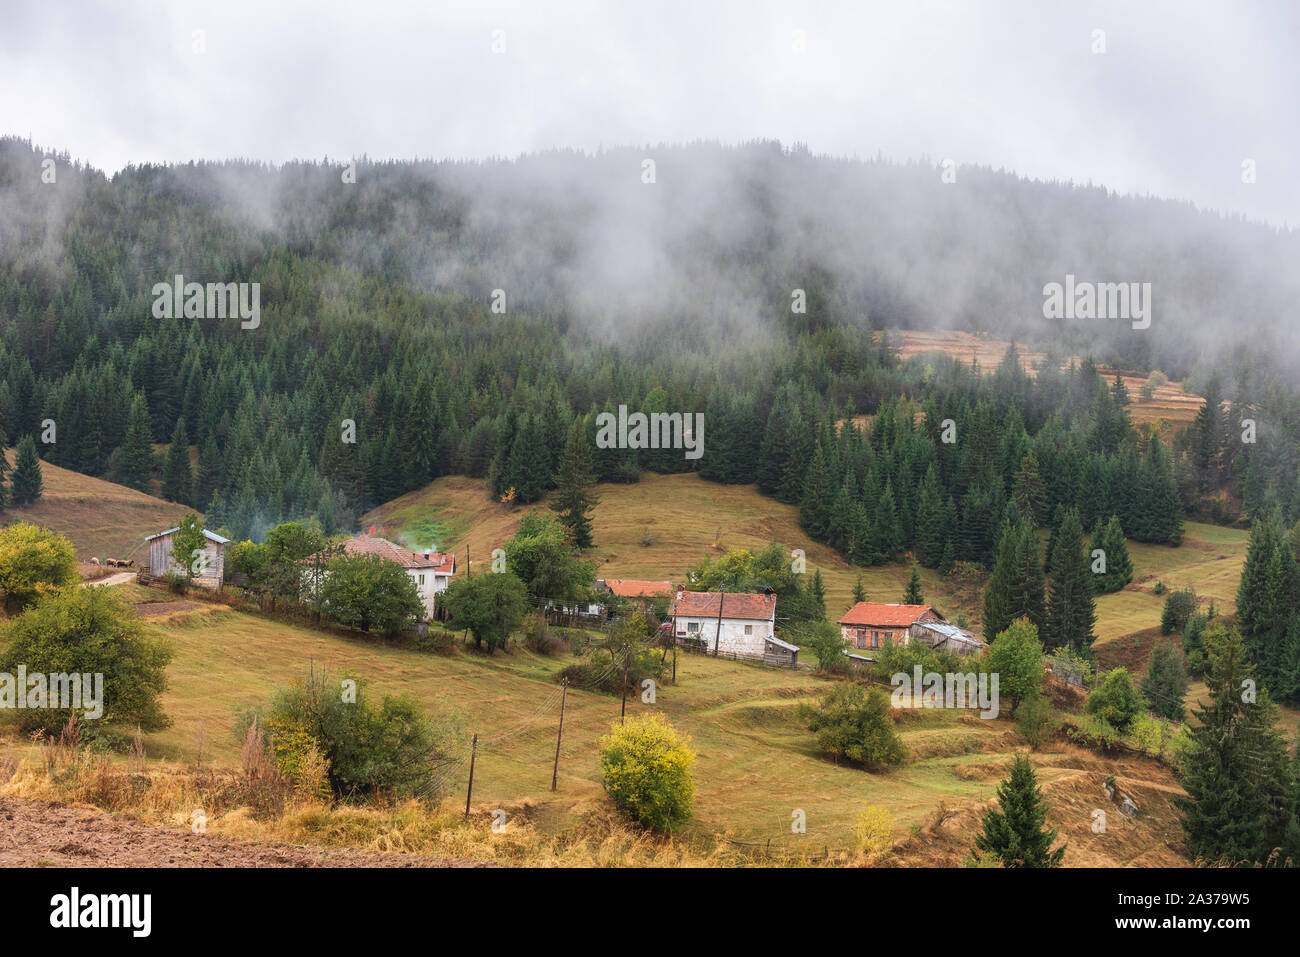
469 791
623 714
468 569
564 694
717 637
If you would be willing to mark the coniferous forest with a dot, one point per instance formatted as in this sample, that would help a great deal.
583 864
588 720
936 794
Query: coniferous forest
443 318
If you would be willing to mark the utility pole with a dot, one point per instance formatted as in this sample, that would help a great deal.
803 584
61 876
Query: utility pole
717 637
559 734
468 569
623 715
470 790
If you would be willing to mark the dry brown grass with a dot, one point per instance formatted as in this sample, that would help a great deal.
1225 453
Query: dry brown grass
101 519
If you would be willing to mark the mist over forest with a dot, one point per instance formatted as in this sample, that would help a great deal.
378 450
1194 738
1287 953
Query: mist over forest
711 249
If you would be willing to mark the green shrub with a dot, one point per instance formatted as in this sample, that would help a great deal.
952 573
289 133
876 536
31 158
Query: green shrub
1016 657
90 631
854 723
827 643
34 561
393 749
1035 721
646 768
1116 702
1179 606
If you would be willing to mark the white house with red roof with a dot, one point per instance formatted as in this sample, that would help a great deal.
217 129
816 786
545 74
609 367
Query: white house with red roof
741 625
431 571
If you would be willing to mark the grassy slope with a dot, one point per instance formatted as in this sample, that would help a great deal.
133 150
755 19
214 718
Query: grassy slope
1169 403
102 519
686 518
755 767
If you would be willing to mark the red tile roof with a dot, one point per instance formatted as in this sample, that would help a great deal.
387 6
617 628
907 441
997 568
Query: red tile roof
638 587
382 547
704 604
889 616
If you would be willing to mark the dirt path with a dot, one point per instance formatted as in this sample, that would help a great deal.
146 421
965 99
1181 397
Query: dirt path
42 834
120 578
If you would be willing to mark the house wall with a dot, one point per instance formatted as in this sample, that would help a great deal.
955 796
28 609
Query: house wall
162 562
732 640
874 636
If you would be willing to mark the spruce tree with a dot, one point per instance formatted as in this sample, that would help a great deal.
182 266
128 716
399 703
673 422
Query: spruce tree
135 458
1016 833
913 595
1119 566
1071 613
1028 493
859 592
573 499
1236 770
1165 682
928 528
27 481
178 479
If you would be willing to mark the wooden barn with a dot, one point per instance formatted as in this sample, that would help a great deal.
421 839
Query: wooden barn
162 562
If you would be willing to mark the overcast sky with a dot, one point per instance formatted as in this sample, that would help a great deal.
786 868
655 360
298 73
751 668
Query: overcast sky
1183 94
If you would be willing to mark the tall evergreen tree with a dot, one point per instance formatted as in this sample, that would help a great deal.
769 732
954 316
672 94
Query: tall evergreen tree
1071 613
1015 832
1114 547
913 595
573 499
135 458
178 478
1236 770
27 482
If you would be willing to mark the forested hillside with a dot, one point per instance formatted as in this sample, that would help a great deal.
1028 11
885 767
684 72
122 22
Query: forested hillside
377 306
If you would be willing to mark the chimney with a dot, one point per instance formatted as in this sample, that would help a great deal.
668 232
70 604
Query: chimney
680 593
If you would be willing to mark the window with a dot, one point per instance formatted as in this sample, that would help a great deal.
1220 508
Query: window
749 629
692 626
421 581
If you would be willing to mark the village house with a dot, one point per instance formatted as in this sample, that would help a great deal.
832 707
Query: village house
636 589
870 624
736 625
205 570
431 571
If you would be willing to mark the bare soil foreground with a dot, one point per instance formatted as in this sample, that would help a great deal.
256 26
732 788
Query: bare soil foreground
44 834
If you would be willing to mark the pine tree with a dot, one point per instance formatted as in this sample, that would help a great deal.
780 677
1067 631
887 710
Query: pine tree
135 458
1119 566
178 479
1015 833
573 499
928 529
859 592
1165 682
997 593
1071 613
1028 493
814 508
27 482
1236 771
208 479
913 594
